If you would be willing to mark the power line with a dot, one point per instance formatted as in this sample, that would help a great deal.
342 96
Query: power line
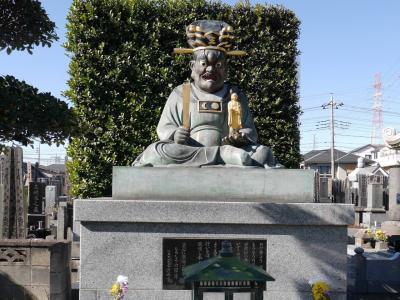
351 135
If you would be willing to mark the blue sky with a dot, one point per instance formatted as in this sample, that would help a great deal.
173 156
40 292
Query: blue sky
343 44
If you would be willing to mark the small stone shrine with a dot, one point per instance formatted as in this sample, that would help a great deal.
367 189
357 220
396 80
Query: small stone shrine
227 274
211 182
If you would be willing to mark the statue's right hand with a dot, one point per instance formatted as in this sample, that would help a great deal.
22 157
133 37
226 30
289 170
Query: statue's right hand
181 135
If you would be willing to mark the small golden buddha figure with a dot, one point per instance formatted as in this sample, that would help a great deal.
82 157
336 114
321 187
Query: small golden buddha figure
234 116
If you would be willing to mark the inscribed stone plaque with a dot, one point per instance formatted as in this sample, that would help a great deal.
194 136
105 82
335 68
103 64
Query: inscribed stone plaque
36 195
179 253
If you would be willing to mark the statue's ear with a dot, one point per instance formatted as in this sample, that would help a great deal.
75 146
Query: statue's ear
191 64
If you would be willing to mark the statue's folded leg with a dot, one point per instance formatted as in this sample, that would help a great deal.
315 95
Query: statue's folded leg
168 153
234 156
262 156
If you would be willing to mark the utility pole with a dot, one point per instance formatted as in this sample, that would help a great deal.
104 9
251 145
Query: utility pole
314 143
38 151
377 119
333 105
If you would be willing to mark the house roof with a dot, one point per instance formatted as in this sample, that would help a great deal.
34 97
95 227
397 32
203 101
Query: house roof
369 170
55 168
324 157
377 147
40 173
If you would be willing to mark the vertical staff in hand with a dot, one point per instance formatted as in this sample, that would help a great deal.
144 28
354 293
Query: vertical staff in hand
186 105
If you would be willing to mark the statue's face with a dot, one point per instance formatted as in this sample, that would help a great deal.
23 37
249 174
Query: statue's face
209 68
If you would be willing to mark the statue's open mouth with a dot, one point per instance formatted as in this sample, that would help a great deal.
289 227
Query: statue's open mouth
209 76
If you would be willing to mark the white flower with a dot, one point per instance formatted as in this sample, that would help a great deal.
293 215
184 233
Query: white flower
316 279
121 279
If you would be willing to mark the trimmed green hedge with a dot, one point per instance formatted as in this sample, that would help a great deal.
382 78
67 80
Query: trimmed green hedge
122 71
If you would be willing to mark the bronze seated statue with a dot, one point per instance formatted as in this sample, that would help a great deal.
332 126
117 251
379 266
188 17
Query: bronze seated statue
207 121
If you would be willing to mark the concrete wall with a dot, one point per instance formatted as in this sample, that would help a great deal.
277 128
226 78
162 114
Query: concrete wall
34 269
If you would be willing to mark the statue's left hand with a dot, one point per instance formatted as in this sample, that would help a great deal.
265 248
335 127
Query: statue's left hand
238 140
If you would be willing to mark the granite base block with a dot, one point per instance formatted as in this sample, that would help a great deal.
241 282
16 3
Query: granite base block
304 242
213 184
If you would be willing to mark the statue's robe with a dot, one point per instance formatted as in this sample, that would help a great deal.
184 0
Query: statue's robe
207 129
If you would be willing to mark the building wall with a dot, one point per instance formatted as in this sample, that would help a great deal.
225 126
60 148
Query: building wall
388 157
370 153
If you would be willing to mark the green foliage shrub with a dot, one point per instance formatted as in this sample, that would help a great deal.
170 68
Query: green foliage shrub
122 71
25 113
24 24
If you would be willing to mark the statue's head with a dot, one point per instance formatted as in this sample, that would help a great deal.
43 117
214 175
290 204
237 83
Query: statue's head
234 97
209 69
211 43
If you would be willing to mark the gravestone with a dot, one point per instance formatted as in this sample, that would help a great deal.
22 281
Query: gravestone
51 196
2 165
13 208
375 195
29 175
36 197
375 212
58 184
36 203
61 220
362 190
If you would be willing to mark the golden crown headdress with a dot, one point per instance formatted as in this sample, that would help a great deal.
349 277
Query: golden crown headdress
210 35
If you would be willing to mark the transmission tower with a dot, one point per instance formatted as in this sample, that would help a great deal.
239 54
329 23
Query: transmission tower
377 119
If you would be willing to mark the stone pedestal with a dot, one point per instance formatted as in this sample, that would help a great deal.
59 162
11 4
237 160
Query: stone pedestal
370 216
392 227
304 241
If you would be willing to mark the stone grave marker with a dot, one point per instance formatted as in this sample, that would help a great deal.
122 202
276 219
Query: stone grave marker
36 197
61 220
51 196
12 209
375 195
